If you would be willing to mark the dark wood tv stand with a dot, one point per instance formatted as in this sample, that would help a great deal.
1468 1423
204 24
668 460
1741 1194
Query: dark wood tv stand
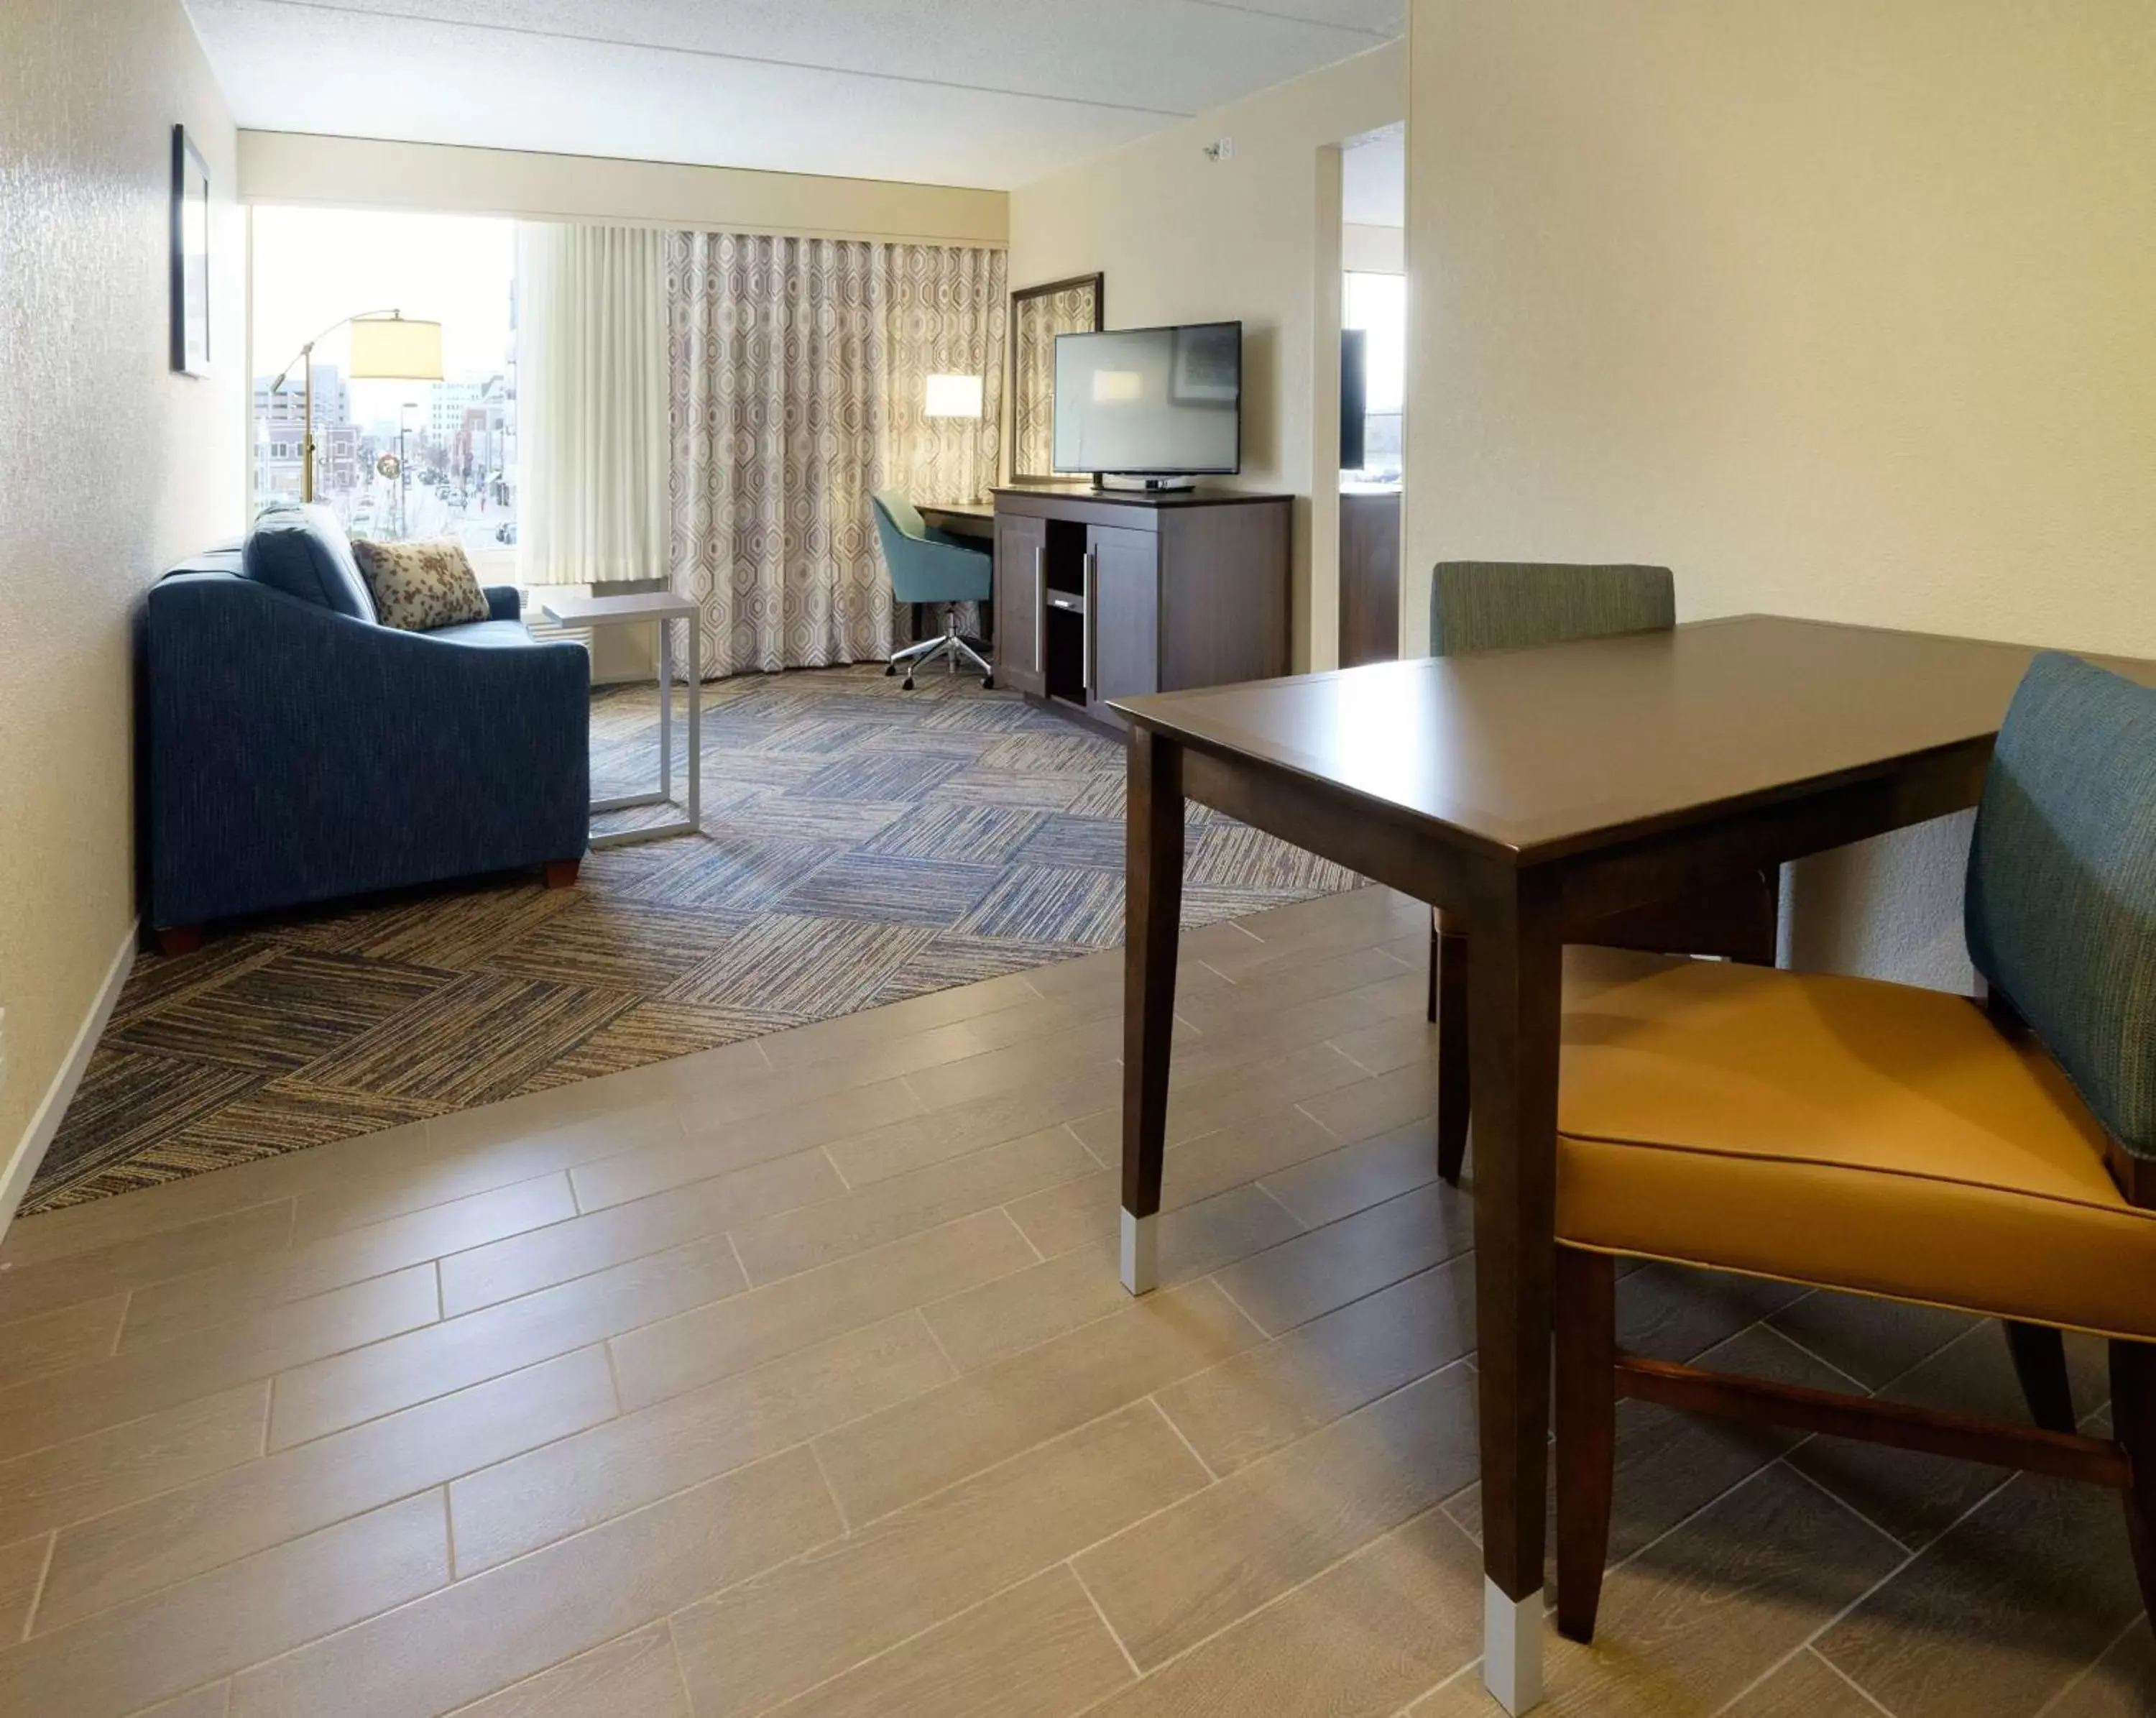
1104 594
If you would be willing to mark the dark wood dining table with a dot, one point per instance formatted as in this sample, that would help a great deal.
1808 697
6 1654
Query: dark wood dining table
1532 795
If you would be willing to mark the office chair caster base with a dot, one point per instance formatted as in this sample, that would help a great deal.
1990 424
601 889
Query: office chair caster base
889 669
988 682
906 685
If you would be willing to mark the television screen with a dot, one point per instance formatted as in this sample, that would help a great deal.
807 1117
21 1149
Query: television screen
1152 402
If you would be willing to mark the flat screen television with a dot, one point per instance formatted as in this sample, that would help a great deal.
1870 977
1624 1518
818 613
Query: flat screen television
1151 402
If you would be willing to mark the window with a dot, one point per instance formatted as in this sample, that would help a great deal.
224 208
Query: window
1377 304
392 459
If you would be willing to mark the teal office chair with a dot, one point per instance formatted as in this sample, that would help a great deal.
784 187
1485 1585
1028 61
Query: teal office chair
929 566
1509 605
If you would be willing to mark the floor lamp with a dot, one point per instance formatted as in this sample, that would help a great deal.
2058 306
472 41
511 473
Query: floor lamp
386 346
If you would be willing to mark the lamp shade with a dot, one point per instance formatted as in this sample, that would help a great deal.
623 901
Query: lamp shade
393 348
953 396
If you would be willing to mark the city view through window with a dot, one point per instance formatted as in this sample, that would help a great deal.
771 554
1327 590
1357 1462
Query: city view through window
393 459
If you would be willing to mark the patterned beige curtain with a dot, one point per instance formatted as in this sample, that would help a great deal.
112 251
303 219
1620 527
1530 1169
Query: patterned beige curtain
797 373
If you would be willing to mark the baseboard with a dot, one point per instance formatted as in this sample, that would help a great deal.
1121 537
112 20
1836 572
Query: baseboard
30 1149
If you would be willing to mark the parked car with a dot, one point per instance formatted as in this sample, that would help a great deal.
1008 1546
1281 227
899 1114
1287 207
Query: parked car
506 531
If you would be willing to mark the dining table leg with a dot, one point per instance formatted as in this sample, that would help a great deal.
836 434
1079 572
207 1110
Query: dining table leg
1514 1012
1152 911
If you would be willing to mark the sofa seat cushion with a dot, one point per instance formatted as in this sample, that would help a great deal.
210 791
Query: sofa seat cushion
486 635
303 552
421 587
1849 1133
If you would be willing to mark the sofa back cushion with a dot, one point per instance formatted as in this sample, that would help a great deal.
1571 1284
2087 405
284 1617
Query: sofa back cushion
303 552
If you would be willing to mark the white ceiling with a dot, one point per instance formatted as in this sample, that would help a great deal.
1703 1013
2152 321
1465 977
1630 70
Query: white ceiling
1373 179
990 93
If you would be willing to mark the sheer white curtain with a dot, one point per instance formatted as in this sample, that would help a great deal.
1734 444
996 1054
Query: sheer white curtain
591 377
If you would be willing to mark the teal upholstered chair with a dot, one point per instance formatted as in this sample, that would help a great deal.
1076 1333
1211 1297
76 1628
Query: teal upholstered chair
1899 1143
1504 605
929 567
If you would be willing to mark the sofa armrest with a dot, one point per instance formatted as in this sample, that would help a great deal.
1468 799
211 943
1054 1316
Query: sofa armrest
504 602
296 754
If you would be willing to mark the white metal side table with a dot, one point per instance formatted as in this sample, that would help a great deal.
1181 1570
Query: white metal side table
662 608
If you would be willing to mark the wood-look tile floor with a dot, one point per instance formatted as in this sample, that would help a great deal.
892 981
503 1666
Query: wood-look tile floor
794 1377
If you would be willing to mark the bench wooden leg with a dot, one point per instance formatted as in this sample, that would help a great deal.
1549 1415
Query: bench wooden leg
562 873
2133 1423
2039 1362
1586 1321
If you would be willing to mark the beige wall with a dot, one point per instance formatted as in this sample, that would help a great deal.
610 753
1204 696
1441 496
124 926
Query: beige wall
117 466
1182 238
285 166
1840 308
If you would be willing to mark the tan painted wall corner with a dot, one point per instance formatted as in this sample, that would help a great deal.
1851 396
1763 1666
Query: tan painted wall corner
1840 310
123 467
1181 238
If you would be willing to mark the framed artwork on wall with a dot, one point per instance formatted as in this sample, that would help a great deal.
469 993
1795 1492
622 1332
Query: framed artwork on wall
190 256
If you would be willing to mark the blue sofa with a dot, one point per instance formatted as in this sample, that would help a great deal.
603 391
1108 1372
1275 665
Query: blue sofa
297 750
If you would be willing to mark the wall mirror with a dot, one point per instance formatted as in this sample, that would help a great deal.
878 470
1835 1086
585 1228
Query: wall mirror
1038 315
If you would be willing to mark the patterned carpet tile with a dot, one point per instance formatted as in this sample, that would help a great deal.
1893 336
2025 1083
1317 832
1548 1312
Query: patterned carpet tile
612 944
1093 842
728 872
1045 903
808 967
456 928
155 984
1234 855
849 822
860 844
973 835
1015 788
982 717
471 1041
1059 755
1106 796
130 1099
889 776
878 887
657 1031
952 959
282 1013
273 1120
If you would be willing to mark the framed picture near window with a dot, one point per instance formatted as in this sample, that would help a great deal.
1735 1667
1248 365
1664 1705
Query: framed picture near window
190 256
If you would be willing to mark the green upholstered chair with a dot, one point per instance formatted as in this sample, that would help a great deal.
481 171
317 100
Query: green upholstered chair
1502 605
929 566
1996 1158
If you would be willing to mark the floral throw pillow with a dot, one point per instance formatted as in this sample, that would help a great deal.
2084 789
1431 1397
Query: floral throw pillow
419 586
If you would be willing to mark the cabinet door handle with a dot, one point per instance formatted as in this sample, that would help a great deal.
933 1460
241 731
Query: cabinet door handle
1086 629
1040 605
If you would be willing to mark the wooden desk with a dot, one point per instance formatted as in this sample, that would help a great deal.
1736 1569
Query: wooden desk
1531 793
960 518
